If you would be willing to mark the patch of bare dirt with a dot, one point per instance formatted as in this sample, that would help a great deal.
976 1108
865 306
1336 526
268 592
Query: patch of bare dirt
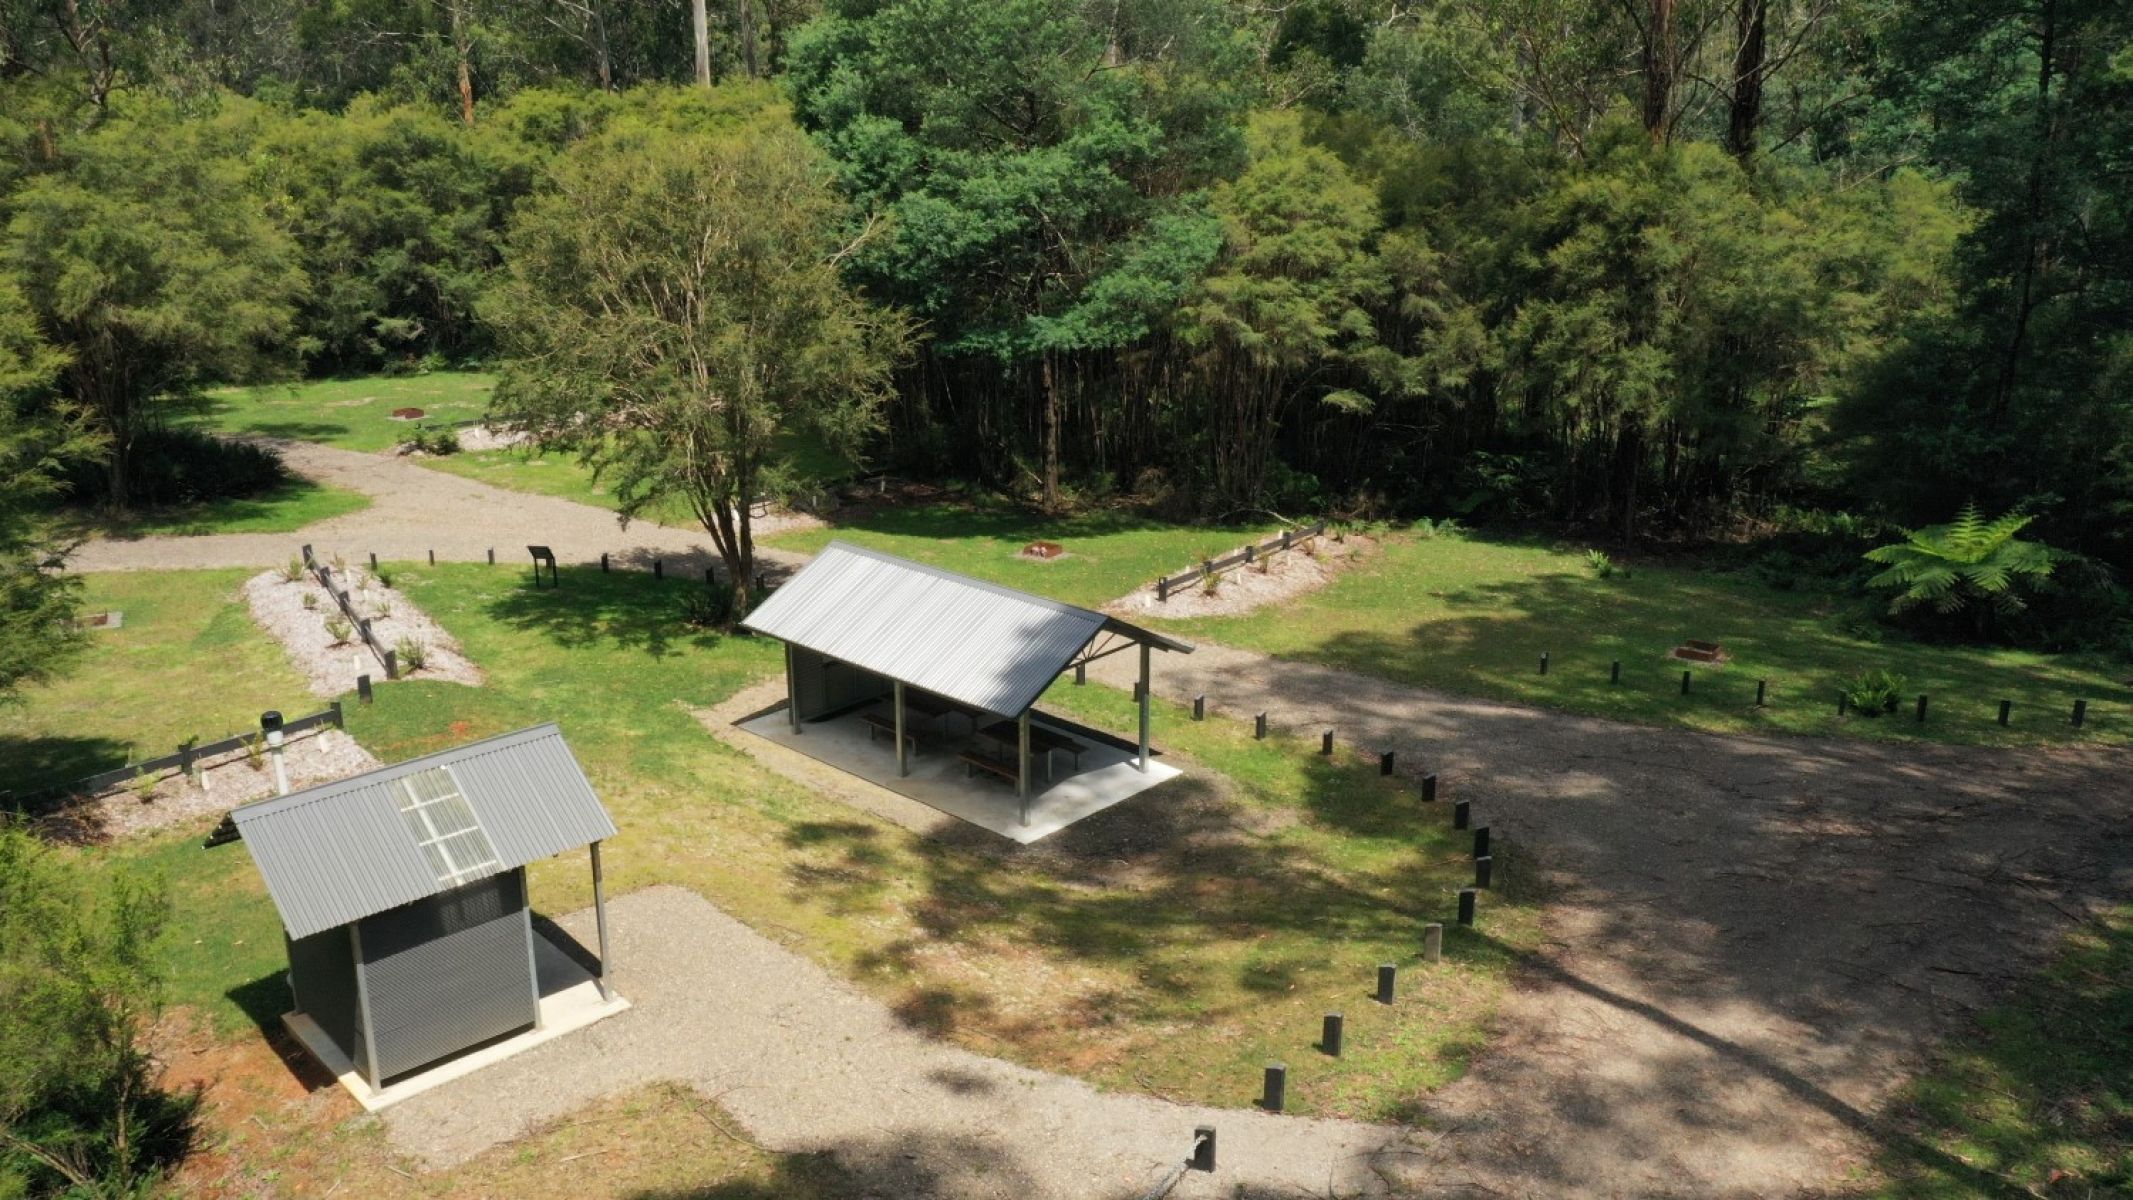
217 785
304 618
1272 580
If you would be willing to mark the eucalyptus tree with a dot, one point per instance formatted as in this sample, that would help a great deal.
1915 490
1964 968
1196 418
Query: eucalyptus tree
671 307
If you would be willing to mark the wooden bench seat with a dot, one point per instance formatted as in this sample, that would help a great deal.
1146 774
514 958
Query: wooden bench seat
877 723
974 762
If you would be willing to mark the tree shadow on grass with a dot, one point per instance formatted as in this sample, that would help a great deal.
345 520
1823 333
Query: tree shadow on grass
630 609
31 764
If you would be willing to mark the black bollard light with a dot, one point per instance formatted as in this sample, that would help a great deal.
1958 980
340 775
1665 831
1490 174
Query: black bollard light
1329 1038
1388 982
1466 905
1429 788
1276 1097
1462 811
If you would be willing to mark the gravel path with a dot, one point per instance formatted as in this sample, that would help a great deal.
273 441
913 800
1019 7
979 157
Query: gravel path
414 511
1754 938
806 1063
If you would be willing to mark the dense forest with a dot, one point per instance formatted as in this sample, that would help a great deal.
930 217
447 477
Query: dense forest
1678 269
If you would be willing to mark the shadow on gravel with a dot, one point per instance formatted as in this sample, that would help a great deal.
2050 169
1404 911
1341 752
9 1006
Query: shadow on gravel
915 1167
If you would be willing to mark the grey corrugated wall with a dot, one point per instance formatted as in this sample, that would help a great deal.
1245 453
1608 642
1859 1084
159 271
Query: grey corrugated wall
825 685
448 973
322 974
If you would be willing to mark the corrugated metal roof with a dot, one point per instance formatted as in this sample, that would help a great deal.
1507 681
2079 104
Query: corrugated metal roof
988 646
341 851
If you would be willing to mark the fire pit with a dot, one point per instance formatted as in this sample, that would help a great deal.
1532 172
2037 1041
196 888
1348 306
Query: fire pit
1043 550
1695 650
407 414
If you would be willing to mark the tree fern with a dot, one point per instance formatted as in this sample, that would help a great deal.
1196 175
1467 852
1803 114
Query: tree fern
1969 563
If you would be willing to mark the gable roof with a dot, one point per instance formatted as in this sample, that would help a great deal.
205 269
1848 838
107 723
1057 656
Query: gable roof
983 644
340 851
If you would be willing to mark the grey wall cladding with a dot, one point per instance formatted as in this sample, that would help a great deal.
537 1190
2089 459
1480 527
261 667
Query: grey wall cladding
322 974
824 685
448 972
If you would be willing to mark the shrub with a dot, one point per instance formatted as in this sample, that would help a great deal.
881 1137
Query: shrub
81 1104
710 608
413 653
1872 693
385 579
185 466
339 630
294 572
382 610
1447 527
310 599
143 786
1601 565
1968 565
439 440
1211 585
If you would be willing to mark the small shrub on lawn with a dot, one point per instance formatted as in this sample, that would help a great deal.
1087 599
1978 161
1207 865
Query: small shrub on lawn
339 630
1600 563
413 652
1447 528
711 608
1872 693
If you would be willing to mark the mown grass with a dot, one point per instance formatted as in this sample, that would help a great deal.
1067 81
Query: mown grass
291 506
187 661
1473 615
547 475
2038 1101
1108 554
354 414
1175 943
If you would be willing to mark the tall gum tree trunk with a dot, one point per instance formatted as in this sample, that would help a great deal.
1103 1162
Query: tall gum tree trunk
700 25
466 67
1051 437
1744 109
1658 64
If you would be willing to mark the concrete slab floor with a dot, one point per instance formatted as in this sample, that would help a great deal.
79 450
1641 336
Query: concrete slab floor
570 1001
1106 774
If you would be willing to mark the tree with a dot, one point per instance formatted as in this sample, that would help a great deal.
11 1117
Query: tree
80 1110
1969 564
1038 156
153 266
673 305
38 604
1285 303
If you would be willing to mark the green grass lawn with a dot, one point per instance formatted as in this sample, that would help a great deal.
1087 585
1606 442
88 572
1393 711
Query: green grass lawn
291 506
2039 1100
1175 943
1108 553
354 414
1474 615
187 660
546 475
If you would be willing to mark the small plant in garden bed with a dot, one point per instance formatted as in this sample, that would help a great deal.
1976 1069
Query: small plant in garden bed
310 600
1873 693
1212 585
294 572
382 610
339 630
413 652
255 755
143 786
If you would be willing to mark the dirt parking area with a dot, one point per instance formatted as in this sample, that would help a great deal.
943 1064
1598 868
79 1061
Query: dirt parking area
1755 939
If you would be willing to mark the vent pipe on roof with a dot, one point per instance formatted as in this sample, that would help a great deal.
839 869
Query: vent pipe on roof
270 726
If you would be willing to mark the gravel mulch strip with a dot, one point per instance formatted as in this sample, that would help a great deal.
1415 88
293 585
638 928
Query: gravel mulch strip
278 604
1284 576
222 783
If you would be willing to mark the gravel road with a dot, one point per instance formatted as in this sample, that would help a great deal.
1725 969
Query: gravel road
1754 939
414 511
806 1063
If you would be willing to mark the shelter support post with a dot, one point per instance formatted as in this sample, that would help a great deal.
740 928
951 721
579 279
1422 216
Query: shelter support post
1022 763
792 690
903 761
600 924
1142 761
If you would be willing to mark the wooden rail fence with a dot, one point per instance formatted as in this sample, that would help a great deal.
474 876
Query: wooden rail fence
389 659
183 759
1213 567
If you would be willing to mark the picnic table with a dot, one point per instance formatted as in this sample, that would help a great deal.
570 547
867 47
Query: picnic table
1040 739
